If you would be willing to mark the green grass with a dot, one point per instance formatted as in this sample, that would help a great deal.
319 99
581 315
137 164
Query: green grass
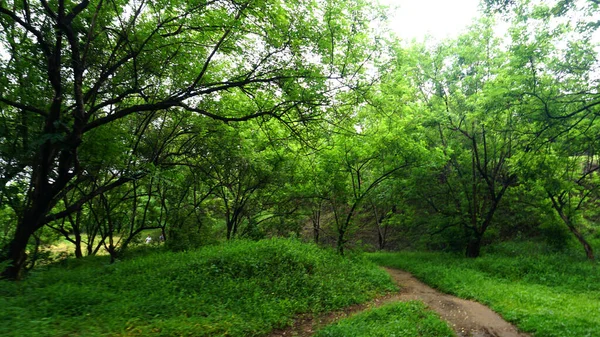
405 319
550 295
236 289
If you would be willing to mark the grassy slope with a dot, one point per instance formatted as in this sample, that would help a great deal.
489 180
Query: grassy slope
406 319
551 295
237 289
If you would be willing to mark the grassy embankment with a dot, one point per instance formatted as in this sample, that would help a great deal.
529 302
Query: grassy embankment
406 319
548 294
235 289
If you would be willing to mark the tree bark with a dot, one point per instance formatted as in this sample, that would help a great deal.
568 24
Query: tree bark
341 241
78 250
474 247
559 207
589 252
316 220
16 250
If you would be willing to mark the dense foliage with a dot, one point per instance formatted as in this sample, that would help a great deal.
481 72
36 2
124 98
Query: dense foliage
544 293
191 129
214 120
237 289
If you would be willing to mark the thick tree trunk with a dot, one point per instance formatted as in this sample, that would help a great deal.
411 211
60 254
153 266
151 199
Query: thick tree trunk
229 229
42 200
16 250
474 247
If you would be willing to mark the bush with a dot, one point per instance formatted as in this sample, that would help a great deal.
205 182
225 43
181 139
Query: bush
184 237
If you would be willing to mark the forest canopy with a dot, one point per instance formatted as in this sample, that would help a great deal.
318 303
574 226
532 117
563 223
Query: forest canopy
196 122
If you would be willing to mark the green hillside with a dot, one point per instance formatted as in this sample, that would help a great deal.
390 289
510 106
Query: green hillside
236 289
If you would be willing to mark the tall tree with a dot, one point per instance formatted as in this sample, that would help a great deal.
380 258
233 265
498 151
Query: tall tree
74 67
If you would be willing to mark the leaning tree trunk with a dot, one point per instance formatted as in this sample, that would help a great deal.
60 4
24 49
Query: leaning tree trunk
589 252
16 249
559 207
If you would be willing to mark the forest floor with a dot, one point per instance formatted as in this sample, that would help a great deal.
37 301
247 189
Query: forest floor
467 318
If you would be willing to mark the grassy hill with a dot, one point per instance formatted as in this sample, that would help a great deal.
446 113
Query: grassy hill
236 289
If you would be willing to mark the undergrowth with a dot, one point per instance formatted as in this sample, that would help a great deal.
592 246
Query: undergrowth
236 289
406 319
549 295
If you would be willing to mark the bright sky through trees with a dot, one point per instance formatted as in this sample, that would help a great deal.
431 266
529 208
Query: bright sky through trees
412 19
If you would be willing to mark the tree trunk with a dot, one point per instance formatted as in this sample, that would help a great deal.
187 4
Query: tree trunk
589 252
316 220
34 254
381 233
16 250
78 250
163 233
474 247
340 241
378 222
559 207
229 229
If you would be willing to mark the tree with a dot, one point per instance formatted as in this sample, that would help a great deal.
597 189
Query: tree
561 100
72 68
470 119
494 105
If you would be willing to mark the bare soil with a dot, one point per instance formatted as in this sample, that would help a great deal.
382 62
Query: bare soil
467 318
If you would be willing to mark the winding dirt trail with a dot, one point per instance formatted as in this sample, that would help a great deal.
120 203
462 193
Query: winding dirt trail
467 318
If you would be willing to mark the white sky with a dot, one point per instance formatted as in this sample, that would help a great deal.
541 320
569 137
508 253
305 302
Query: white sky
414 19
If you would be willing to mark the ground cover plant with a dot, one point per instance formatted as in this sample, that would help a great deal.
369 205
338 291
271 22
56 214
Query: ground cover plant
236 289
406 319
547 294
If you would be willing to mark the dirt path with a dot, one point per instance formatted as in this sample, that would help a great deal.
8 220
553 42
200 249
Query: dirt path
467 318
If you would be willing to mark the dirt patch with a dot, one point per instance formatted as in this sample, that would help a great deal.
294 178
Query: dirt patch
467 318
